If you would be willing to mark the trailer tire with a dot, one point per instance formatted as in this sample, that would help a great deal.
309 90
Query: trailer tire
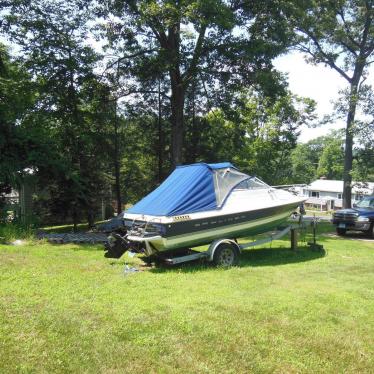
226 255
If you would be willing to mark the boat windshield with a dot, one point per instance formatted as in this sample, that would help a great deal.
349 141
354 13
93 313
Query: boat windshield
251 184
224 181
366 202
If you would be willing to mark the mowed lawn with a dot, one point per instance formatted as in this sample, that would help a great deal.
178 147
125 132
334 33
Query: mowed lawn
65 308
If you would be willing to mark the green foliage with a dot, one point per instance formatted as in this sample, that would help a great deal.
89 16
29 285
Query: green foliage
364 133
304 161
191 43
73 109
15 231
139 174
320 157
259 137
16 100
331 162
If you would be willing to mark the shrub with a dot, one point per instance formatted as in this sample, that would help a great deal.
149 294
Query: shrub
13 231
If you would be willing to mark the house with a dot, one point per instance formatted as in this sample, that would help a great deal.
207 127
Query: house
326 194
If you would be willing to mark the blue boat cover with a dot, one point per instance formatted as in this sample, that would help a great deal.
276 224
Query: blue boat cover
188 189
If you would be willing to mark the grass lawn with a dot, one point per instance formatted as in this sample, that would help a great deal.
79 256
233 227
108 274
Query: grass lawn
65 308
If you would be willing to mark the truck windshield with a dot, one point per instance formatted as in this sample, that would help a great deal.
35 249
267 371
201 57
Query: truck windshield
366 202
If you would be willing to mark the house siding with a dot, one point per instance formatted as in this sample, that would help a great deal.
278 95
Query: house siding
331 198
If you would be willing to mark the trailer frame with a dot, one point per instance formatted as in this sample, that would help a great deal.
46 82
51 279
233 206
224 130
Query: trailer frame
210 253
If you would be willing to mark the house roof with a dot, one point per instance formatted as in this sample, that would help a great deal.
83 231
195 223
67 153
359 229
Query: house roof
329 185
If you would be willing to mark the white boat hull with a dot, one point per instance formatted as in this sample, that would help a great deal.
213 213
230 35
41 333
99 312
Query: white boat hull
185 232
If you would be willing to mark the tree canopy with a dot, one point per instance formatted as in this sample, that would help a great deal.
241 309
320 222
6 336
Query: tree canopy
222 46
99 101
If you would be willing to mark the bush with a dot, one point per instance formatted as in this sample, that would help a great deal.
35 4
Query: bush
13 231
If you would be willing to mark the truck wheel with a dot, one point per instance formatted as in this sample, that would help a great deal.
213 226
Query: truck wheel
340 231
226 255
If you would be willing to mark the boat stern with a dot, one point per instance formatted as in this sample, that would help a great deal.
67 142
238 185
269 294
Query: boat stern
147 230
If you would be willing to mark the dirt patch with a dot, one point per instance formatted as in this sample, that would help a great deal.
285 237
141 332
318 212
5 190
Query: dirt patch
351 236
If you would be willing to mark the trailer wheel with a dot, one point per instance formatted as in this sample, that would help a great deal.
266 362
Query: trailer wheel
225 255
340 231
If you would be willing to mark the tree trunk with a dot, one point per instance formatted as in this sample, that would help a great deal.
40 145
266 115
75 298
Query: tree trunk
177 95
117 172
194 130
348 154
177 129
160 136
91 217
75 218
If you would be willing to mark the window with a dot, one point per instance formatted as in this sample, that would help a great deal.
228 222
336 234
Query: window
366 202
313 193
224 181
340 196
251 184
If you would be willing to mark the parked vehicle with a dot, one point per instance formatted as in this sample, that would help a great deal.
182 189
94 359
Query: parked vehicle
359 218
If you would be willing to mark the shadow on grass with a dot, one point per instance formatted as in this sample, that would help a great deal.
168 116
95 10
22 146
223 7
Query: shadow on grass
251 258
77 247
279 256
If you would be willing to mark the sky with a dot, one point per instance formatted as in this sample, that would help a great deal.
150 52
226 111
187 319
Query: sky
318 82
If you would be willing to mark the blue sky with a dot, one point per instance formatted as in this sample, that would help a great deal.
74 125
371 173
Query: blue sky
318 82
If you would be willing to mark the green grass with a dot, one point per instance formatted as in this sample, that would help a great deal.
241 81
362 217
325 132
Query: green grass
65 308
65 228
317 212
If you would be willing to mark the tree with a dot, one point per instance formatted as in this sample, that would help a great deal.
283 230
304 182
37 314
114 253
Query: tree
258 137
52 41
319 157
17 97
331 163
272 131
363 169
340 34
304 159
183 42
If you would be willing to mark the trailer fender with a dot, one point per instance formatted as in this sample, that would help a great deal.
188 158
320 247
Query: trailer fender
214 245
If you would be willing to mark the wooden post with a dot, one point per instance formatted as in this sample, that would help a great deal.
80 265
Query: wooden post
293 239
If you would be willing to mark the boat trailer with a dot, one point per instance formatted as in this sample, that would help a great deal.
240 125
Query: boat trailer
225 252
222 252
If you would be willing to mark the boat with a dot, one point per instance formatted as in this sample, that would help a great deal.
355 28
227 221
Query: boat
202 202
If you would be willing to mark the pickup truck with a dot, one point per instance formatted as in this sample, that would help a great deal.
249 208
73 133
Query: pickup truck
359 218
